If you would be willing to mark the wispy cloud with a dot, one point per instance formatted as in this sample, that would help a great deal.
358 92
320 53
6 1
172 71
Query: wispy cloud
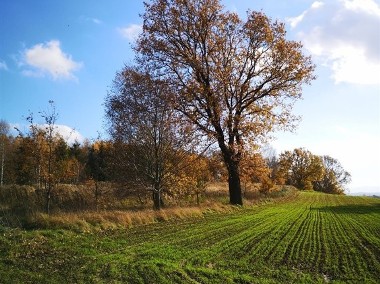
3 65
48 59
344 36
93 20
96 21
294 21
130 32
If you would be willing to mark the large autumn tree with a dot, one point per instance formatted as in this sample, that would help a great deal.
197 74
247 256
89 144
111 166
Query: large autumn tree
236 79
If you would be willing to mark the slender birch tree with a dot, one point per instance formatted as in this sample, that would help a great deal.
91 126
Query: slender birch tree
4 130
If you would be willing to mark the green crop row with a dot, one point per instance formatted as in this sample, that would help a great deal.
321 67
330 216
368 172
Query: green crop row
313 238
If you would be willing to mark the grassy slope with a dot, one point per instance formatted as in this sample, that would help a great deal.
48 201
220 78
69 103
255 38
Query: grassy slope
314 238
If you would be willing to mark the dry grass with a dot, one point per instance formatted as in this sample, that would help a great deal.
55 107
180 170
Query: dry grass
74 207
105 220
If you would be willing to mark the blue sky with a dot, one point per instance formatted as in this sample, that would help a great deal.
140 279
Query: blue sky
69 51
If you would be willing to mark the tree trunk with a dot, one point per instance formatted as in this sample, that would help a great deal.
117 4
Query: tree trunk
97 194
48 199
234 185
2 164
157 199
232 162
50 182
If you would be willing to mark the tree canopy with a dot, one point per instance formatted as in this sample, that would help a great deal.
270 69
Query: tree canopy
236 80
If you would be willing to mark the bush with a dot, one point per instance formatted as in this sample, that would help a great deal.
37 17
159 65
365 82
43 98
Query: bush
266 185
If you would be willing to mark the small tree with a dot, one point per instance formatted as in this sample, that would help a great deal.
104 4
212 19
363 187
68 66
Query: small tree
50 118
197 174
256 170
300 168
145 130
334 177
42 140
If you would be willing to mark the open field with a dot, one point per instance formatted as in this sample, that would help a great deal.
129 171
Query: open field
309 238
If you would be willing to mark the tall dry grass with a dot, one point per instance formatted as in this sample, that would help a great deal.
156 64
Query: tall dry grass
105 220
76 207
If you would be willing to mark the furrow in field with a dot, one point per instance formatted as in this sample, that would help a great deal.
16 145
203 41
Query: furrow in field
234 246
253 243
319 238
320 232
344 247
363 246
284 233
291 254
214 236
257 238
300 257
361 219
316 240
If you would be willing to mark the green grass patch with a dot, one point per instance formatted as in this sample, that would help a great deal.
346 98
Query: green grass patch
310 238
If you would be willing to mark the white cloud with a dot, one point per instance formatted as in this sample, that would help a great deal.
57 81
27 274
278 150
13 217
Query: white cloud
69 134
344 36
3 65
367 6
351 65
131 32
317 4
48 59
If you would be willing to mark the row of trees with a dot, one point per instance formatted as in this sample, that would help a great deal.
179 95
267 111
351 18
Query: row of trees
151 162
307 171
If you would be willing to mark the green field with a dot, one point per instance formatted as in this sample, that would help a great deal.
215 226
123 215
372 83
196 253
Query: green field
309 238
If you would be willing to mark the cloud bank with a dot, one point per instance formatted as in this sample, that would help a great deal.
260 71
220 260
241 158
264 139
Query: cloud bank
47 59
344 36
